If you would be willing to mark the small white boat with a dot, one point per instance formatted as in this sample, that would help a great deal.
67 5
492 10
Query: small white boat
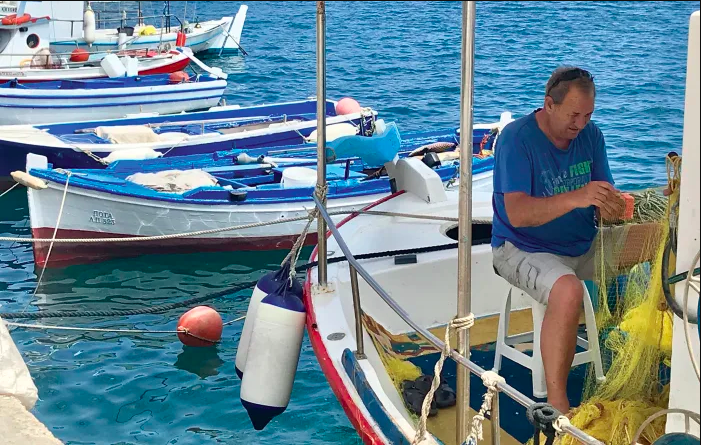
26 57
213 36
82 100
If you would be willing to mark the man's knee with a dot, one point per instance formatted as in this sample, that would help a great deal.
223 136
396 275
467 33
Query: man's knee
567 291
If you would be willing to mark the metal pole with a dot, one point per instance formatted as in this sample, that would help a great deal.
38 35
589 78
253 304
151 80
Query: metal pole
465 214
494 417
321 131
358 312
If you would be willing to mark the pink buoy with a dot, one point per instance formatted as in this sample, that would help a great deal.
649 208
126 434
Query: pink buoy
347 105
203 324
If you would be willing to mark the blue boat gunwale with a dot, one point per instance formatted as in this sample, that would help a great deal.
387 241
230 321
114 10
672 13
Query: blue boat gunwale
338 188
295 107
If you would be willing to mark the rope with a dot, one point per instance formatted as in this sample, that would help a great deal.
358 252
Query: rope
543 417
237 288
122 331
53 237
490 379
321 191
118 331
9 190
458 324
229 228
119 313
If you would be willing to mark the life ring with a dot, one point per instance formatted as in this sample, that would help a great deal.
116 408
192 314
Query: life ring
12 19
26 63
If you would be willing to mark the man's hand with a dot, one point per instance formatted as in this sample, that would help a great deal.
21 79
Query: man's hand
602 195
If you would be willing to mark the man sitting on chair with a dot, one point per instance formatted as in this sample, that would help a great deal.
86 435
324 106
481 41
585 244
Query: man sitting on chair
551 178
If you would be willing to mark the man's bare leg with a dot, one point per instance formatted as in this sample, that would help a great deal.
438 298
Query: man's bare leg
558 338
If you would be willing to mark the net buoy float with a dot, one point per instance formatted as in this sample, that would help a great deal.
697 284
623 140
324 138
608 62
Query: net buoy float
347 105
178 77
203 325
266 285
79 55
273 355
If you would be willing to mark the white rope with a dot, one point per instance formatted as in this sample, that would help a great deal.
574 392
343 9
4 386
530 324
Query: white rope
296 250
458 324
53 237
490 379
561 423
9 190
225 229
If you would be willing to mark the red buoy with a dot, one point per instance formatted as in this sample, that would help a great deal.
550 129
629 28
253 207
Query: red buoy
347 105
178 77
79 55
180 39
203 324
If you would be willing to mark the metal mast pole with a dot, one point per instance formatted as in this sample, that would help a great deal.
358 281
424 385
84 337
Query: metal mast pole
321 131
465 213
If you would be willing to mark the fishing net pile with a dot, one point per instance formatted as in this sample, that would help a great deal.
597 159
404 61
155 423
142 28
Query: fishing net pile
634 321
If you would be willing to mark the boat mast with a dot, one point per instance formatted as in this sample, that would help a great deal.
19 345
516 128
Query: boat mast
465 214
321 132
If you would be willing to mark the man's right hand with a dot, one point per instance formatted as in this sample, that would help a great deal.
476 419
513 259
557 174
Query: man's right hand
602 195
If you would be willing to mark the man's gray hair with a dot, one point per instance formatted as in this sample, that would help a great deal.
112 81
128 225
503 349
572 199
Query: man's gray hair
564 77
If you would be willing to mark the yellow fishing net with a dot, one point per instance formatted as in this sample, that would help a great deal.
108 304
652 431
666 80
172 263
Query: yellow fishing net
634 322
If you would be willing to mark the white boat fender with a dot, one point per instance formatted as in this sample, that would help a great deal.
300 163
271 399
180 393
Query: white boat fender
335 131
267 284
89 26
273 355
28 180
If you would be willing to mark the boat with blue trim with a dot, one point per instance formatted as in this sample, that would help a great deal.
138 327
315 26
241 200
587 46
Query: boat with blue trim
181 195
87 144
81 100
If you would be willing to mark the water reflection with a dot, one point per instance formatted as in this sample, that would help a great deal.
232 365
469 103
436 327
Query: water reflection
203 362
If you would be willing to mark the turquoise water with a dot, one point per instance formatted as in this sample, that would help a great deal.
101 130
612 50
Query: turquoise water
403 59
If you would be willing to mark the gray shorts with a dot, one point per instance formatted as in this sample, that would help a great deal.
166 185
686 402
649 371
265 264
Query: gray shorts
536 273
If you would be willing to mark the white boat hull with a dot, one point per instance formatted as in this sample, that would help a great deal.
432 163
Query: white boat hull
20 106
93 214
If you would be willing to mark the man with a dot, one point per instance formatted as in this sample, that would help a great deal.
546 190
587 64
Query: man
551 183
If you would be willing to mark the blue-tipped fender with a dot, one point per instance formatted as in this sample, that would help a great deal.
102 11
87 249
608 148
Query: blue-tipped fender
267 284
273 355
376 150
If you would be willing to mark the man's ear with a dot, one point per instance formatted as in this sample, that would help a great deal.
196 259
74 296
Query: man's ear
549 104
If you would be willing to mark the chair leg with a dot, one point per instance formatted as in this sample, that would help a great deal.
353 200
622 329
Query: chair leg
502 332
537 370
593 336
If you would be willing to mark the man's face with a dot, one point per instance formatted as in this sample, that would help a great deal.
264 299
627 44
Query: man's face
572 115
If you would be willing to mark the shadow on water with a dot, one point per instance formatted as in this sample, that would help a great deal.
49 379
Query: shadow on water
203 362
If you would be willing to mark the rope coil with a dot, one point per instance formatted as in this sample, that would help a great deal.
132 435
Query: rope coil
543 417
457 324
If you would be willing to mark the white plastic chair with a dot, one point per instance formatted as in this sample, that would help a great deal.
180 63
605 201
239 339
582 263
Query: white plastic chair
505 345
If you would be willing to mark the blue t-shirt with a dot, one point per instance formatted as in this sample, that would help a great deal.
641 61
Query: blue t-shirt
526 161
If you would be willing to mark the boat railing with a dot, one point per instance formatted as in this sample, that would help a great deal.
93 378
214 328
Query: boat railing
357 269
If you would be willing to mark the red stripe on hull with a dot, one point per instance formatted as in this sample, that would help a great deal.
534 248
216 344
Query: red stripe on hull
356 417
163 69
167 69
65 254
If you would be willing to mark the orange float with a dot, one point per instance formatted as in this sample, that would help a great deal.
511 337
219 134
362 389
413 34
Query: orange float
12 19
178 77
79 55
203 325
